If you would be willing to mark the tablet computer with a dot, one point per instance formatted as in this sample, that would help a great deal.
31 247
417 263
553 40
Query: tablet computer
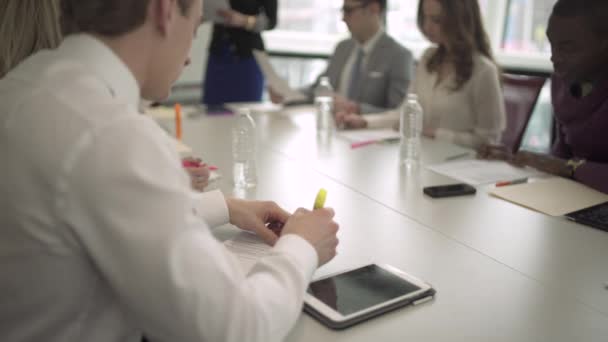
350 297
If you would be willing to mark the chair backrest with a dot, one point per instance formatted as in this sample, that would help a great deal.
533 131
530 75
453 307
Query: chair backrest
520 94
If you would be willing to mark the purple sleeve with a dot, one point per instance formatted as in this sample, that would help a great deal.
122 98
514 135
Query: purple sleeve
594 175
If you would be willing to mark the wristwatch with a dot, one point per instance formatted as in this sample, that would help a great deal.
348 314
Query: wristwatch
573 164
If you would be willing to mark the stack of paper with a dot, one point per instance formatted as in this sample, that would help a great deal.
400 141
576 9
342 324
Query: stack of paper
248 248
275 81
211 8
477 172
362 135
555 196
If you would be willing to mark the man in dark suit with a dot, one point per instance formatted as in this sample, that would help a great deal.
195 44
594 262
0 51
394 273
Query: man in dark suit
370 71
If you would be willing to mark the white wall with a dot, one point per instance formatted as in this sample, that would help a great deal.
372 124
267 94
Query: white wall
194 72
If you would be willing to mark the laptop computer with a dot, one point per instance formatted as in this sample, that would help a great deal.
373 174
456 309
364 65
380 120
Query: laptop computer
595 216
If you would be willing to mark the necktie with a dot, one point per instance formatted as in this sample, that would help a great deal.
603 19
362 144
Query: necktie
355 77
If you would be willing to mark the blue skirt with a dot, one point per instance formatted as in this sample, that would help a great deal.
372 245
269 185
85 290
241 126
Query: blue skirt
232 78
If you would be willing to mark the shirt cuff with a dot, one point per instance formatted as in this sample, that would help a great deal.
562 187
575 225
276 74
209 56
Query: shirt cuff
301 251
211 206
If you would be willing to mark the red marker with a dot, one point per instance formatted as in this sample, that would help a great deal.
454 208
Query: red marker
192 163
513 182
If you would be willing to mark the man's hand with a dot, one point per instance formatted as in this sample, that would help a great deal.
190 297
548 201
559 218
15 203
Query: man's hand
353 121
541 162
318 228
264 218
342 104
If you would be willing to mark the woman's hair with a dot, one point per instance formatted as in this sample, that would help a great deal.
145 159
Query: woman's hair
27 26
463 30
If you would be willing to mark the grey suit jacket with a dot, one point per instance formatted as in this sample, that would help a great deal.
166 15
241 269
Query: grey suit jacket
386 77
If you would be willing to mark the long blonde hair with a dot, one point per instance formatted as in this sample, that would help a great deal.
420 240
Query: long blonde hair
27 26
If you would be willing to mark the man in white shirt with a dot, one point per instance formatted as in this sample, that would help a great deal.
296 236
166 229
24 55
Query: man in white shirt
100 238
370 71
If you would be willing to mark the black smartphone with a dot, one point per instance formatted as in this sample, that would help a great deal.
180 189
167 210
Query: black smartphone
449 190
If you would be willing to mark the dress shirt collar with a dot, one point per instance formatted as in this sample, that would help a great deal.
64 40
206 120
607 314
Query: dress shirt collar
369 45
105 64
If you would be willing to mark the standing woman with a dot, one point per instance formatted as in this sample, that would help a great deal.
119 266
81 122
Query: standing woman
232 73
457 81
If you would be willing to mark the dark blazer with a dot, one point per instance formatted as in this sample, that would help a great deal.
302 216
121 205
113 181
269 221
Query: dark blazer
387 75
240 40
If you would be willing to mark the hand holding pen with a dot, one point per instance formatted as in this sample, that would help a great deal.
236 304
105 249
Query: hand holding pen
199 172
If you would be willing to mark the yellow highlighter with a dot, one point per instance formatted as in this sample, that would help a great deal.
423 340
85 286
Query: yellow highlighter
320 199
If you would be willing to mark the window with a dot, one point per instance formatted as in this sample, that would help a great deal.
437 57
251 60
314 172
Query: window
516 28
526 26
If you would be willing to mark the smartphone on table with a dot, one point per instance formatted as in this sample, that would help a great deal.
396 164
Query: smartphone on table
449 190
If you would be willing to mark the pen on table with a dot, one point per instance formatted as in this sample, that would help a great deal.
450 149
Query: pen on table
515 181
320 199
458 156
178 121
358 144
363 143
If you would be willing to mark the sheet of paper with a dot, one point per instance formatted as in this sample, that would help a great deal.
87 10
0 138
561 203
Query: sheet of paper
210 8
359 135
255 107
161 112
248 248
477 172
277 83
182 149
554 196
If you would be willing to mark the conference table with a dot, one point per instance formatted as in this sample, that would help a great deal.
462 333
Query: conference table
502 272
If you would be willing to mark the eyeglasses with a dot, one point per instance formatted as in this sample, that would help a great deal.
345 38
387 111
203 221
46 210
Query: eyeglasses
347 10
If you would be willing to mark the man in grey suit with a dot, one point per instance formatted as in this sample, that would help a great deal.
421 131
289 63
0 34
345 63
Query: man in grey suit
370 71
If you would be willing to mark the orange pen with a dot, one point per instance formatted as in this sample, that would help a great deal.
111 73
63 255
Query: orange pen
178 121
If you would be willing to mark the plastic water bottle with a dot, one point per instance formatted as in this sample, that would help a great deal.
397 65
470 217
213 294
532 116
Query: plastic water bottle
410 127
243 151
324 104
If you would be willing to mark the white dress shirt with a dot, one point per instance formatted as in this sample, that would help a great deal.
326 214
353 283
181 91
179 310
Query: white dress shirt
99 240
347 72
470 116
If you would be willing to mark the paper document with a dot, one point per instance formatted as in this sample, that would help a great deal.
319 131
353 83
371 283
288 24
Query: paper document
277 83
210 9
248 247
255 107
360 135
181 148
477 172
160 112
555 196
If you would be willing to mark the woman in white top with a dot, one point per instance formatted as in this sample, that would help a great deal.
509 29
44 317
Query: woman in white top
457 81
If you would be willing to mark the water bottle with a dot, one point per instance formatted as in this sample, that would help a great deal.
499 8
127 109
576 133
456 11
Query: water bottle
410 127
324 105
243 151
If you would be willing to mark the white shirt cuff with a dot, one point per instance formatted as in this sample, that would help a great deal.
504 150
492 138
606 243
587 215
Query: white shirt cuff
301 251
211 206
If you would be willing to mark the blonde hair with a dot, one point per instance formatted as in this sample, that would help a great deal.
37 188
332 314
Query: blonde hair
27 26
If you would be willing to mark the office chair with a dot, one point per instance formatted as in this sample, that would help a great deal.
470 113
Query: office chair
520 95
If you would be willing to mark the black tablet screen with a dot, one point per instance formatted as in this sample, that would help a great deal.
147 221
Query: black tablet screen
359 289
